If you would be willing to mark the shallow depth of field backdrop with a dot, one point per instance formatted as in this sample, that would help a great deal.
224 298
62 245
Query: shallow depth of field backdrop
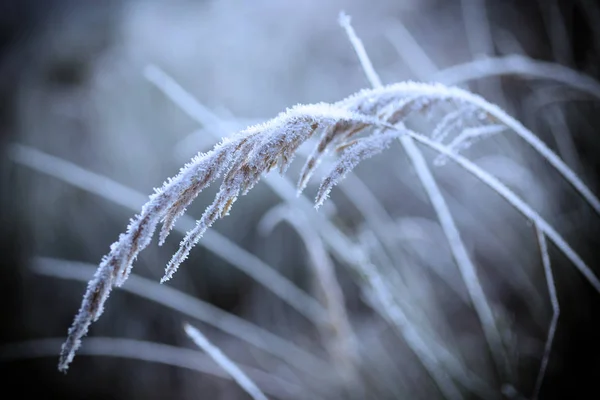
78 83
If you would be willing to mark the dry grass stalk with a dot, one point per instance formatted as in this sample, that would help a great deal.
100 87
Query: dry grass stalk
224 362
192 307
337 333
159 353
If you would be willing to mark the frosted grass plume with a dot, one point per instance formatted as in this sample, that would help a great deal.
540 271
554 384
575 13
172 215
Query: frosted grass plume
359 127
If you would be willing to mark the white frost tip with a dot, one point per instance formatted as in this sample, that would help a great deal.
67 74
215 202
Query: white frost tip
344 19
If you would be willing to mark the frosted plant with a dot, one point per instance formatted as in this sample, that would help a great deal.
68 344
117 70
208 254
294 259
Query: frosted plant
358 127
376 114
241 160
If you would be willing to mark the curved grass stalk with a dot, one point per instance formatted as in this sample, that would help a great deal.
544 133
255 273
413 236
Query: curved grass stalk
439 92
224 362
214 125
213 241
356 191
518 204
248 141
241 160
337 331
194 308
151 352
518 65
342 247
